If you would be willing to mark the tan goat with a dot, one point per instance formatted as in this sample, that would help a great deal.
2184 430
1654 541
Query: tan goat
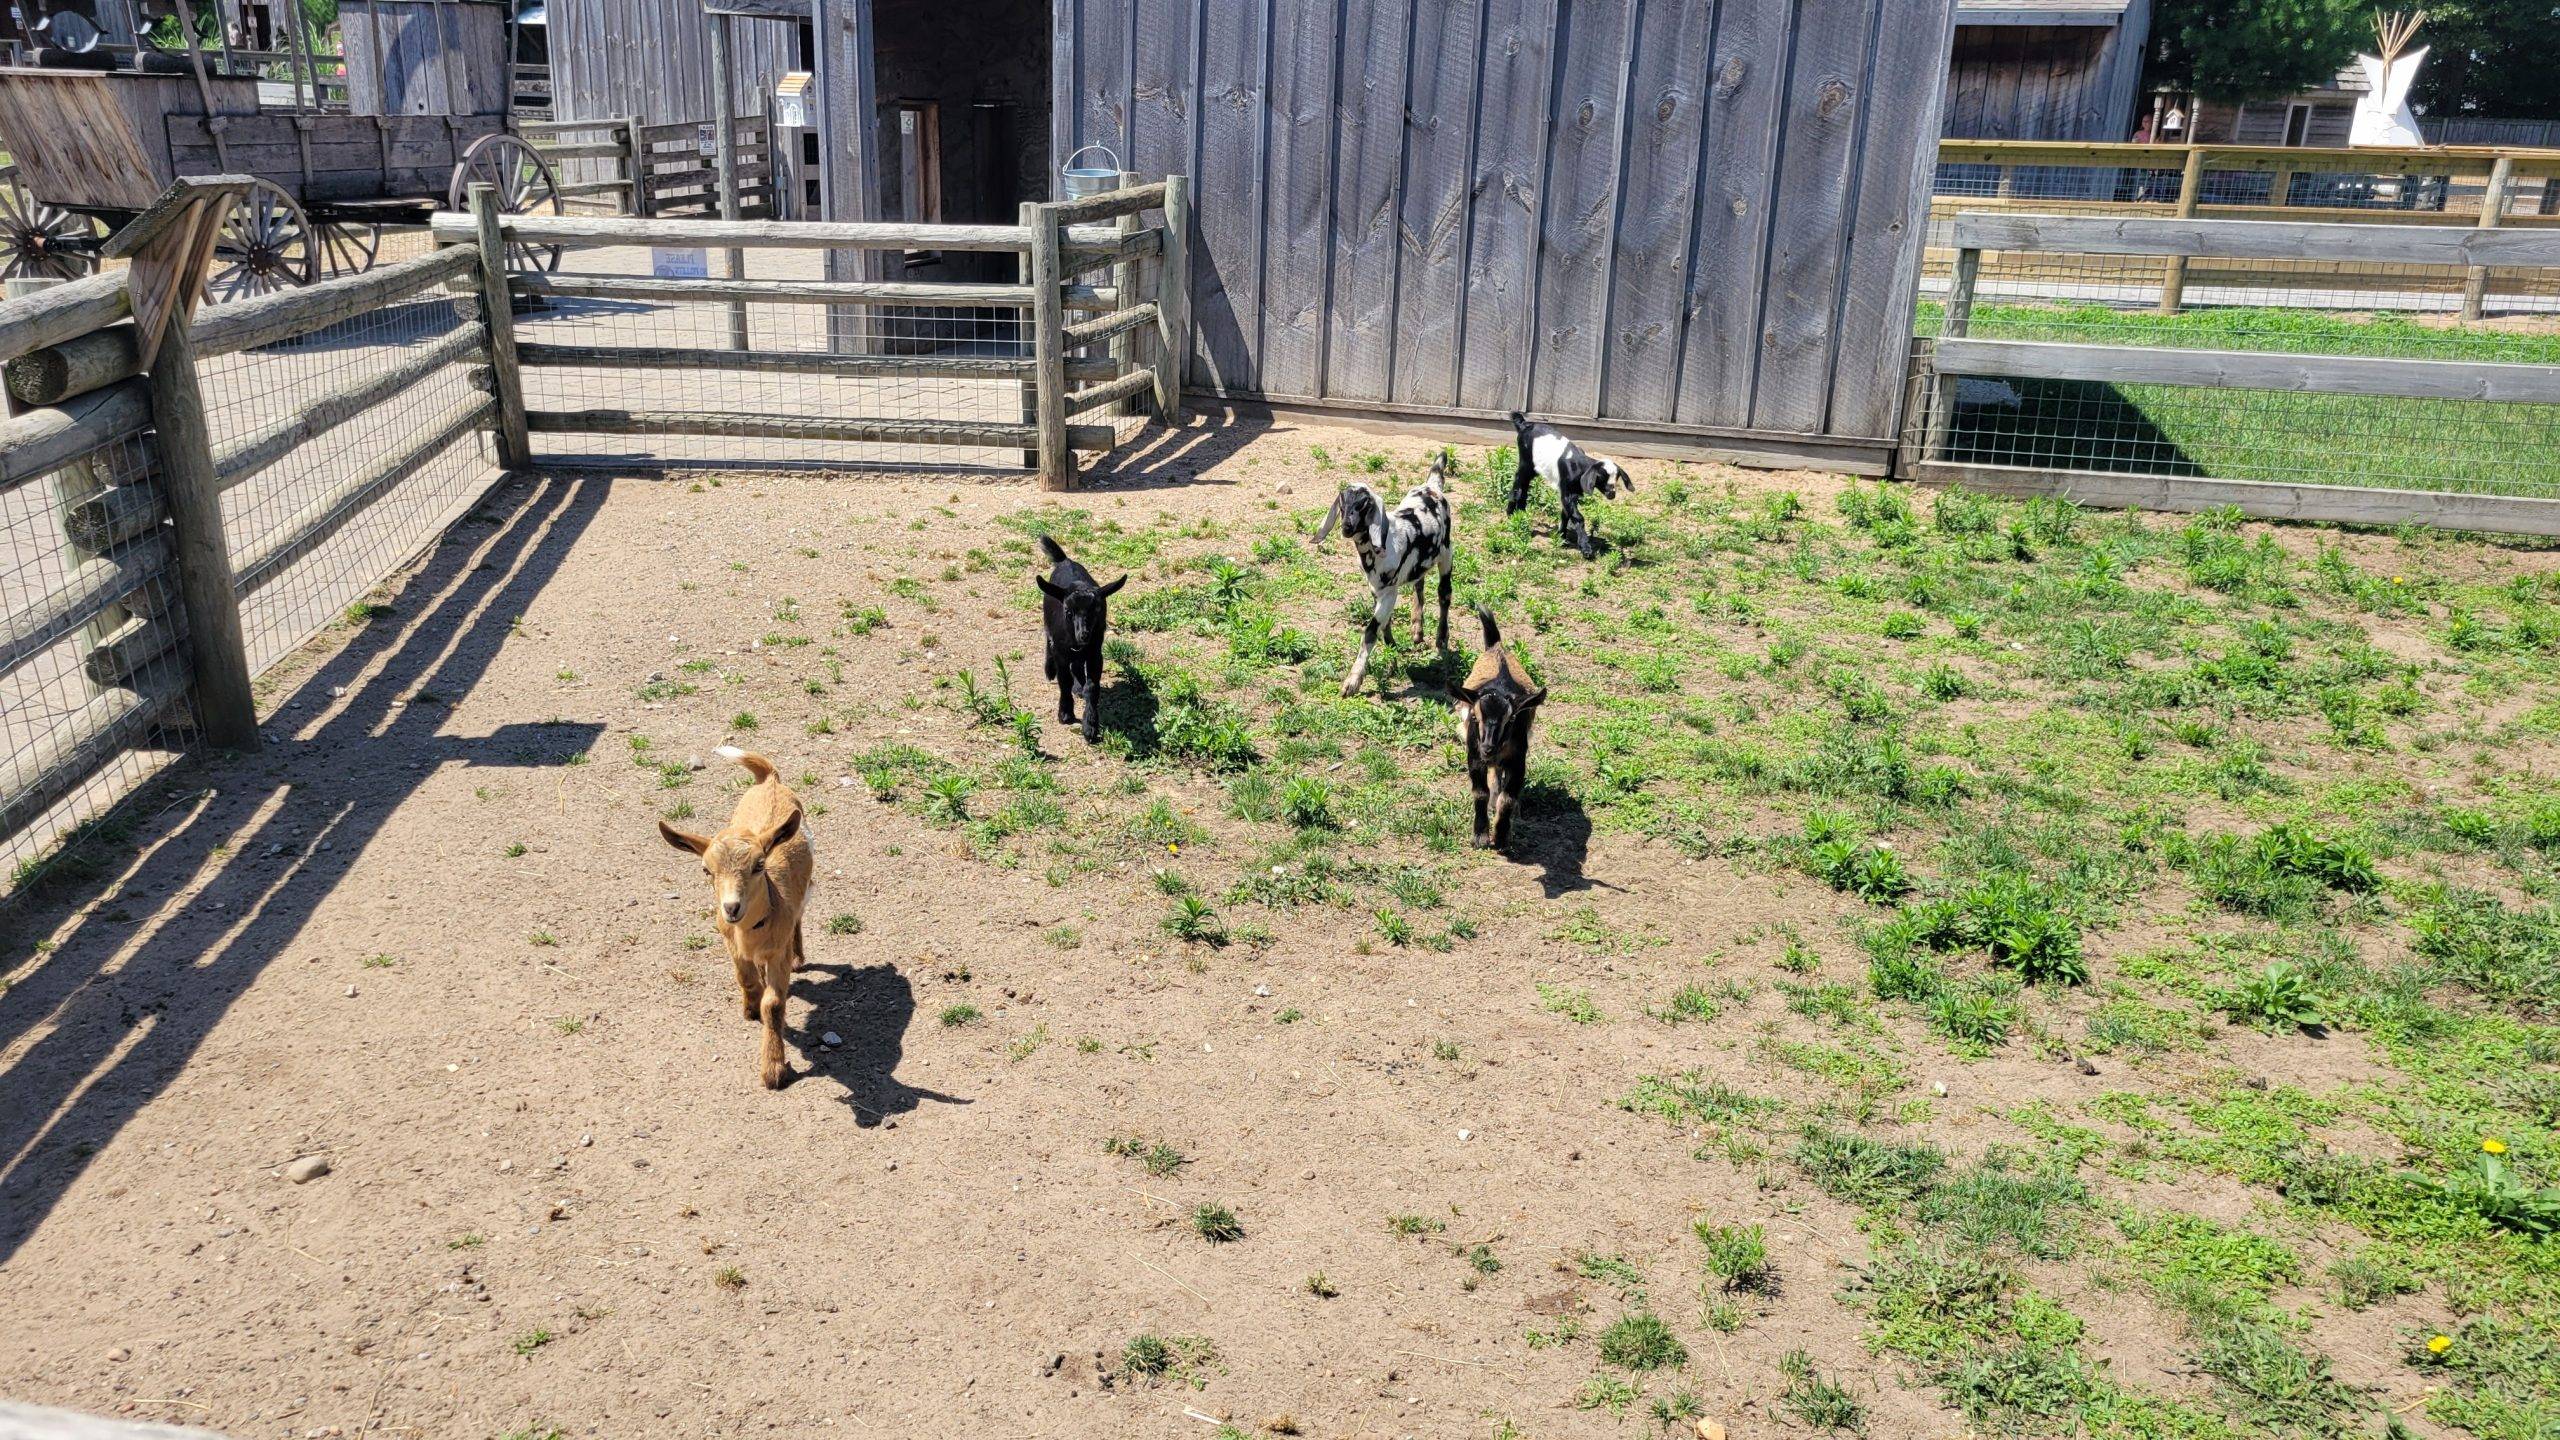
759 866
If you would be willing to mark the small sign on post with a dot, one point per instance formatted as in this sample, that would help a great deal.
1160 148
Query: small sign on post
680 263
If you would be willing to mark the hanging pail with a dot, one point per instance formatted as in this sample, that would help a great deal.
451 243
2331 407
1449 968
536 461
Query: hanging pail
1083 180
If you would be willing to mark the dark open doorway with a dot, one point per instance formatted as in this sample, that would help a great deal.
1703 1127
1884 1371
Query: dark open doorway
963 91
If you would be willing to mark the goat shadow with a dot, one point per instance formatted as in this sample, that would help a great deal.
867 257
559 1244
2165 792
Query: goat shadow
869 1008
1128 707
1552 831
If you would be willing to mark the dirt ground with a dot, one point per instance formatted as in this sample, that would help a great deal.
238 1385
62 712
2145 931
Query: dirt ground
557 1198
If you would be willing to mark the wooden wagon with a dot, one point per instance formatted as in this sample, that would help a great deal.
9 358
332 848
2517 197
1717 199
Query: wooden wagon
94 138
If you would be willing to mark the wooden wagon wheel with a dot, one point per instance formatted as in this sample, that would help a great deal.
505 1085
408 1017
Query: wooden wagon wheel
267 244
39 240
348 247
525 186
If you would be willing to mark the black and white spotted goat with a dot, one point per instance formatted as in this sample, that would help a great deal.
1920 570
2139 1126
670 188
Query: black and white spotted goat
1546 454
1075 612
1397 548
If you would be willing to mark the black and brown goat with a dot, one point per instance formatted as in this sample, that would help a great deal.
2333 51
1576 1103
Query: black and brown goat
1501 708
1075 612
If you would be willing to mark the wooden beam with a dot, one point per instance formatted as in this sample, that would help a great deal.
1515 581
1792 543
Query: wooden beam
1109 205
63 312
75 367
2493 210
225 705
40 442
2265 500
534 355
1094 243
1094 332
67 754
305 529
2257 240
1173 300
2173 286
808 292
1135 383
498 329
253 453
1050 444
993 434
92 589
2253 370
285 314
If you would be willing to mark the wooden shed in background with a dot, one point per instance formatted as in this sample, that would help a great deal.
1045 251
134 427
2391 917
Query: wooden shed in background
2047 69
1693 221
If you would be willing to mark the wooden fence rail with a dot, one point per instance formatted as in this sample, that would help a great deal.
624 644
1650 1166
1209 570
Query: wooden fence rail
1132 350
1956 353
151 600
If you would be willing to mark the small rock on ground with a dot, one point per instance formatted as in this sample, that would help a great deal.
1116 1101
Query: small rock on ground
307 1169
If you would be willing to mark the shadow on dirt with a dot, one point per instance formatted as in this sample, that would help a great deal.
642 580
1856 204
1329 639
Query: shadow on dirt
223 877
870 1009
1553 832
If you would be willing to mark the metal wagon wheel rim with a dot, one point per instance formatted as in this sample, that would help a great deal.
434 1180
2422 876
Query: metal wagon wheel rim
348 247
267 244
40 241
524 185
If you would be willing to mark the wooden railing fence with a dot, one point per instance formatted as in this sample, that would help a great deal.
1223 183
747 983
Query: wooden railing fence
1957 353
597 162
154 579
1129 349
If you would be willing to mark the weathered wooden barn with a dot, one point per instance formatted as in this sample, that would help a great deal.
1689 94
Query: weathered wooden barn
1693 221
2046 69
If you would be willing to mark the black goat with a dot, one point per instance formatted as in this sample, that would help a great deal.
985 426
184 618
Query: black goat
1501 708
1546 453
1075 612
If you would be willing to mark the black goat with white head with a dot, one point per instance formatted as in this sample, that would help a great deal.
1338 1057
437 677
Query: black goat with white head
1501 708
1075 612
1546 454
1397 548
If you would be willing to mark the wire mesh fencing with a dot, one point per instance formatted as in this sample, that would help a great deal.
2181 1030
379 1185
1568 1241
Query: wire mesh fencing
2305 424
290 596
115 687
776 362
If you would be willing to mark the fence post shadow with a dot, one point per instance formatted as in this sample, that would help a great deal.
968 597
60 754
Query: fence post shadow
76 1085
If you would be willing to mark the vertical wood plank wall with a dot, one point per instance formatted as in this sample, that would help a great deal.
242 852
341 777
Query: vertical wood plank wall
652 59
1699 214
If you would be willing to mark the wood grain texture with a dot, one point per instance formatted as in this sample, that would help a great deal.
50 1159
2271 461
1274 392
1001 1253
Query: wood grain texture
62 312
1227 268
1577 223
1897 161
990 434
238 460
1729 252
306 529
1649 278
43 440
1809 215
2256 239
285 314
193 494
1506 193
1162 85
75 367
92 588
1432 210
1299 213
1360 312
2253 370
770 292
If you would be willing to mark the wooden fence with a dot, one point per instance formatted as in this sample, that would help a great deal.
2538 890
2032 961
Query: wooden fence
1958 353
597 162
2456 187
152 600
1130 348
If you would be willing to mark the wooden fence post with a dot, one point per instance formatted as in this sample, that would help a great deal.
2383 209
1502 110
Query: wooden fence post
1941 413
724 131
497 313
1130 348
1048 350
224 704
2493 211
1173 300
2173 285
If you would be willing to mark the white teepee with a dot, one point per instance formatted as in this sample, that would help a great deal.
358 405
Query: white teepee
2383 116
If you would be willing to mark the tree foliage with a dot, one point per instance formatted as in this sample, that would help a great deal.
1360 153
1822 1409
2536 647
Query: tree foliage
2491 57
2251 51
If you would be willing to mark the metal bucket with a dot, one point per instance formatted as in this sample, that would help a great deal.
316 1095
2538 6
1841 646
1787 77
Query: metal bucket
1091 180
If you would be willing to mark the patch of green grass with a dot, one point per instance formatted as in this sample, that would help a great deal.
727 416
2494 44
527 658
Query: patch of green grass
1640 1340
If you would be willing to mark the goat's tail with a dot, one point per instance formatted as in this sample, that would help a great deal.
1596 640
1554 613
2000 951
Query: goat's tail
1051 549
1492 632
757 765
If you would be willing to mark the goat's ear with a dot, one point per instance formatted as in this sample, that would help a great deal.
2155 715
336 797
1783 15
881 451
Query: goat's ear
1377 526
1114 587
1525 706
682 841
1052 591
1626 479
1324 527
783 829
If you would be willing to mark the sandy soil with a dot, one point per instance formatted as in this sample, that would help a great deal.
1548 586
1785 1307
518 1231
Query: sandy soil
923 1234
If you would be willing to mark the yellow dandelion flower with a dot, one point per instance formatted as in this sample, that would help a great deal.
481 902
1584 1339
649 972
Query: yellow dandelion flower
2396 580
2439 1344
2494 1145
1172 849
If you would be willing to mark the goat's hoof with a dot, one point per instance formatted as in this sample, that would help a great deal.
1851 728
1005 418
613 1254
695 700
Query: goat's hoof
777 1076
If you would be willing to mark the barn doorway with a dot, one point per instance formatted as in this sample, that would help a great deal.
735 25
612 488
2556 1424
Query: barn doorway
963 91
